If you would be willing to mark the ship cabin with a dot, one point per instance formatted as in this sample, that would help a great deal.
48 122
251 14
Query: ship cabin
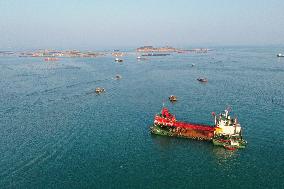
225 125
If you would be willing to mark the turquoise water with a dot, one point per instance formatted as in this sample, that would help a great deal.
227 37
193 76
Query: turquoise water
55 133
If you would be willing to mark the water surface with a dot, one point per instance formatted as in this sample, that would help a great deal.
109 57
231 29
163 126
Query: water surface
55 133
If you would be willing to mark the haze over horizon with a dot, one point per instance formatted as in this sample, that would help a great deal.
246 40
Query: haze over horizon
102 24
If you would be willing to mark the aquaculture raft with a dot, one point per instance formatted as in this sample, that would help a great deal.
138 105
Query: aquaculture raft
226 132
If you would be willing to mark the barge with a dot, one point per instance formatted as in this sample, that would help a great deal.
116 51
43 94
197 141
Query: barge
226 131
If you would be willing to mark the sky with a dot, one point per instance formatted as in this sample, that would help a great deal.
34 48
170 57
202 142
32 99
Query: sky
97 24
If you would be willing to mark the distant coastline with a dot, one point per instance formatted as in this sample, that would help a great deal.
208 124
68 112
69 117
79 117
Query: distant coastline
156 49
145 50
57 53
151 49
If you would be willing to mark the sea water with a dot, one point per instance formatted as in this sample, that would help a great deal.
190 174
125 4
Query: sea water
55 132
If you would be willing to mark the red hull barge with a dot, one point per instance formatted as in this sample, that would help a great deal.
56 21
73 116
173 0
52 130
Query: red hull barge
166 124
165 121
226 132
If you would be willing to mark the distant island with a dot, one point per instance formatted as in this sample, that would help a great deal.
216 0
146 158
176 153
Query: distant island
58 53
154 49
144 51
147 49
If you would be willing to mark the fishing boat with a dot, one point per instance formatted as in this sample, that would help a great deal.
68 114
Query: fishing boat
202 79
99 90
280 55
173 98
118 77
118 60
226 132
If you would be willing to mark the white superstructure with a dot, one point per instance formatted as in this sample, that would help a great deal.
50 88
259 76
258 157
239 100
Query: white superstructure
225 125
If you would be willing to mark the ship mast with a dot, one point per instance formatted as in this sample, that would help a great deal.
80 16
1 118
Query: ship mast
235 124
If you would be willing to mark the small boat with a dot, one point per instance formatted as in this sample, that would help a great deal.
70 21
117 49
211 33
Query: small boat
118 60
51 59
229 147
118 77
280 55
140 58
99 90
202 79
173 98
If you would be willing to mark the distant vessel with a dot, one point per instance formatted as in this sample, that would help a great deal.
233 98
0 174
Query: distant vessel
202 79
226 132
280 55
118 60
118 77
156 54
140 58
173 98
99 90
51 59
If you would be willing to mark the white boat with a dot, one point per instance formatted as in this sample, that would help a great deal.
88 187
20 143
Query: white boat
140 58
118 60
280 55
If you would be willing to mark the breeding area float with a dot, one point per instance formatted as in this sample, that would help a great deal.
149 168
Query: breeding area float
226 132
